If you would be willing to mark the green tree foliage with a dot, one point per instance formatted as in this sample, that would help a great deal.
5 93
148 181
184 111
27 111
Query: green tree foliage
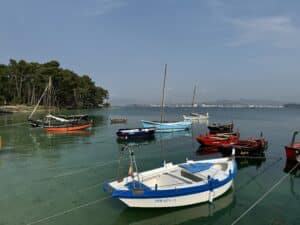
23 82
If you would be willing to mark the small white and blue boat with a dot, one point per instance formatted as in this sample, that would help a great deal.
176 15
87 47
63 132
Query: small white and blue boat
168 126
173 185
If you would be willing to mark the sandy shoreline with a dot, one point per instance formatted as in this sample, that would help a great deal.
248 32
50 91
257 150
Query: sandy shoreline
19 108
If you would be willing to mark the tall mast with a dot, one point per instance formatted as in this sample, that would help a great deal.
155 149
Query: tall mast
48 86
163 96
194 94
50 95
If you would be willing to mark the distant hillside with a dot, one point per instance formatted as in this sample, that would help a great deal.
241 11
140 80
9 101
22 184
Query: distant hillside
292 105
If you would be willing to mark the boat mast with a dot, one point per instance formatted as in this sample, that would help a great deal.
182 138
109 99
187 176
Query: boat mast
163 96
37 105
50 94
194 94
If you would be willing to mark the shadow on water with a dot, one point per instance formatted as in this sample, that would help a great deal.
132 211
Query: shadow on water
293 167
198 213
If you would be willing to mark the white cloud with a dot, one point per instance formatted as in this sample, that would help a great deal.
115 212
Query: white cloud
278 31
104 6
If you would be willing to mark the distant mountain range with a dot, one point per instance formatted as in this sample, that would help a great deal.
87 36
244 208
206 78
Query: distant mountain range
224 102
246 102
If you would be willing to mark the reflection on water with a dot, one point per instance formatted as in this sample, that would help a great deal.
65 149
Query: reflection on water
74 132
171 135
207 150
172 216
294 166
243 162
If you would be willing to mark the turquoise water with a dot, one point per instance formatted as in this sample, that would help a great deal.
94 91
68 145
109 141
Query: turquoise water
57 178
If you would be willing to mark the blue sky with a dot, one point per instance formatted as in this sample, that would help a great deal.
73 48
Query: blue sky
230 49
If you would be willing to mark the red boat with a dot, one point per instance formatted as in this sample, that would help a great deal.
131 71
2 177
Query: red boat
251 146
69 127
218 139
292 150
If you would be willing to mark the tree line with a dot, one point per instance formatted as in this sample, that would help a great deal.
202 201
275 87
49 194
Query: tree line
24 82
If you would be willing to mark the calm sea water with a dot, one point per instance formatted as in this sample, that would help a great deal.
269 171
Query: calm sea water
57 178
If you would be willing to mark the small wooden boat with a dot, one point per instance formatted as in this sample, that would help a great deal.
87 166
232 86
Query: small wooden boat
220 128
168 126
216 140
136 133
80 125
196 116
174 185
292 150
251 146
118 120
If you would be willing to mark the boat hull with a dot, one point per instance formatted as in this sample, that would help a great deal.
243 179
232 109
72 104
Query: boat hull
168 127
69 128
177 201
217 140
245 147
136 133
195 118
292 153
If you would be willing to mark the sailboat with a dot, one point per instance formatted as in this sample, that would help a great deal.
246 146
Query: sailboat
62 123
195 116
166 126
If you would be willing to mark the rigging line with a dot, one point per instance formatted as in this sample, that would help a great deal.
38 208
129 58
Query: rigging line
83 170
264 195
68 211
265 170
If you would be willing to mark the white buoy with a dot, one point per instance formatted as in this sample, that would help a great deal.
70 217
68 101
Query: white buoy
233 151
211 196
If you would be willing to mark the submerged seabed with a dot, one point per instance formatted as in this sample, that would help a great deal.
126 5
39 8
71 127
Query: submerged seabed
57 178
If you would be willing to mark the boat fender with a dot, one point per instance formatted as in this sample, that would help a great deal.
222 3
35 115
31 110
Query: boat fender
233 151
156 187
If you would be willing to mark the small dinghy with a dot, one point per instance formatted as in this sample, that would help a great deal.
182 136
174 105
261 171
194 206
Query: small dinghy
174 185
196 116
136 133
220 128
251 146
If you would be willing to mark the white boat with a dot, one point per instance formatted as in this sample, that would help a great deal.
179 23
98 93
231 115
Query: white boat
196 116
173 185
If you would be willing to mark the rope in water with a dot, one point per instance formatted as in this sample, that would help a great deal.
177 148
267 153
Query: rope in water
68 211
265 195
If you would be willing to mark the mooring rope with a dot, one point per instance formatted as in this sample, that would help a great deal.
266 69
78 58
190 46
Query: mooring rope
265 195
68 211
